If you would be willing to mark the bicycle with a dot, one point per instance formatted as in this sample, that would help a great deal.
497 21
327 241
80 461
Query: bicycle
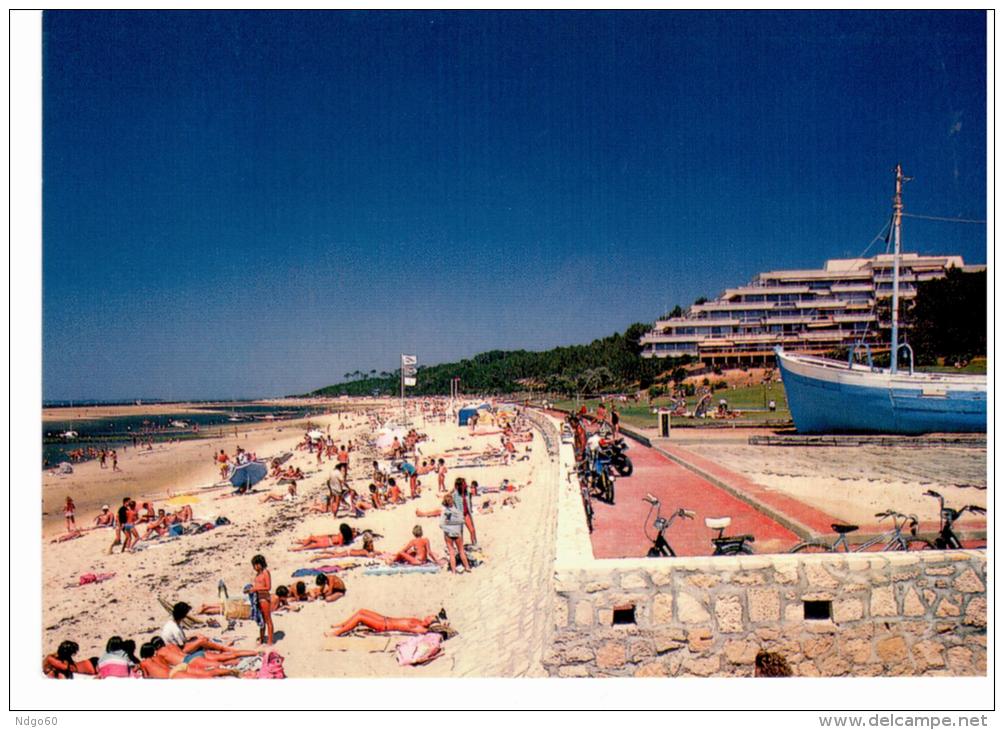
947 539
660 546
894 538
728 544
581 469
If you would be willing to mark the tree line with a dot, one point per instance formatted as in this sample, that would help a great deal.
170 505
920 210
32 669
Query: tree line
610 364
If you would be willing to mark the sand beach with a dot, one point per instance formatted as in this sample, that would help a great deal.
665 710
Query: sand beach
488 607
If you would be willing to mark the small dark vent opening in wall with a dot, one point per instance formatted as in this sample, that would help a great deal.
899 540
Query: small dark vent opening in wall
817 610
624 614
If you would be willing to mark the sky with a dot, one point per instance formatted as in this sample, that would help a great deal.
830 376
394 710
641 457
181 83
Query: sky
243 205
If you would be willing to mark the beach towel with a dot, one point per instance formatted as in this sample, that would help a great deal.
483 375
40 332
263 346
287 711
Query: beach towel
87 578
372 643
271 667
252 599
420 649
320 570
400 569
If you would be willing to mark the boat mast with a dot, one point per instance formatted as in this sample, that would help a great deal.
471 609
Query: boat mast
897 218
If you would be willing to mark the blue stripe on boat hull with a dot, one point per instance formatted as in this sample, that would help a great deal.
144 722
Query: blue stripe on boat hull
825 407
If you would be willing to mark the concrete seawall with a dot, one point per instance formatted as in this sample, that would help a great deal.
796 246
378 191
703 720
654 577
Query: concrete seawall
864 614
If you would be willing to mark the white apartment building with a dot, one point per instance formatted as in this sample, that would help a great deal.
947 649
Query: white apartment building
812 311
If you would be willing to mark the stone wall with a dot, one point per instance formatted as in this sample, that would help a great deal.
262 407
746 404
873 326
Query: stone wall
916 613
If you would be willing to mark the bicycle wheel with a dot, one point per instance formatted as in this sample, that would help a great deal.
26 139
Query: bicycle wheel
811 547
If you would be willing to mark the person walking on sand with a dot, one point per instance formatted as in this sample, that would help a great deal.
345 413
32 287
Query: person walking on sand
101 459
441 474
451 522
222 460
115 460
261 588
69 510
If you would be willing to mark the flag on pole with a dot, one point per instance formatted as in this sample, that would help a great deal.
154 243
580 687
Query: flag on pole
409 369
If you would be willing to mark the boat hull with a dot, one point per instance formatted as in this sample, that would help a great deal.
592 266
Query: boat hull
828 397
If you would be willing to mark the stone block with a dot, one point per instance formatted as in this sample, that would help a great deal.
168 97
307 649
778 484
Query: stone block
662 608
891 651
704 580
817 646
748 578
764 605
858 651
652 669
848 609
596 586
793 612
976 612
928 654
700 640
612 655
578 654
605 617
818 577
575 670
785 573
729 613
947 608
661 578
584 613
861 631
806 669
689 610
959 659
767 634
903 575
702 667
883 602
668 640
969 582
943 570
633 582
739 651
560 612
640 649
834 666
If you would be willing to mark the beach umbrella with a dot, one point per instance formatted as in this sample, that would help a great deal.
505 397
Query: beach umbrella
315 434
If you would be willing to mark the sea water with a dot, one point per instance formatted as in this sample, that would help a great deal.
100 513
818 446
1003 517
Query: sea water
119 432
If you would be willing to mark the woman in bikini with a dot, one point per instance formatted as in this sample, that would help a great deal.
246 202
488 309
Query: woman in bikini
345 536
261 586
381 624
366 551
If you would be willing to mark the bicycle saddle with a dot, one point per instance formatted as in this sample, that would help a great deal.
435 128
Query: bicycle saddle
843 529
717 523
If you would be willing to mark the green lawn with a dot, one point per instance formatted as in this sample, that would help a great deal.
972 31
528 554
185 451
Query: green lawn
751 401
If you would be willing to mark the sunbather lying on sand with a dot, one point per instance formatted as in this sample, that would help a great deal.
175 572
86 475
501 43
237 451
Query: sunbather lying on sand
366 551
417 552
69 536
154 666
345 536
289 496
381 624
202 658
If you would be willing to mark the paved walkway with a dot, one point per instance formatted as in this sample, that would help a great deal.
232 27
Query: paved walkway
618 530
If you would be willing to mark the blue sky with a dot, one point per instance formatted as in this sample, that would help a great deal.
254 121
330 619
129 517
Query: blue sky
252 204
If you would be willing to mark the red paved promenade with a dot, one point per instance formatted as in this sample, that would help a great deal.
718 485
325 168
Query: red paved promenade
618 529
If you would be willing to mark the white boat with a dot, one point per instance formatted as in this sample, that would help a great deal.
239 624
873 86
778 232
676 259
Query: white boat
831 396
